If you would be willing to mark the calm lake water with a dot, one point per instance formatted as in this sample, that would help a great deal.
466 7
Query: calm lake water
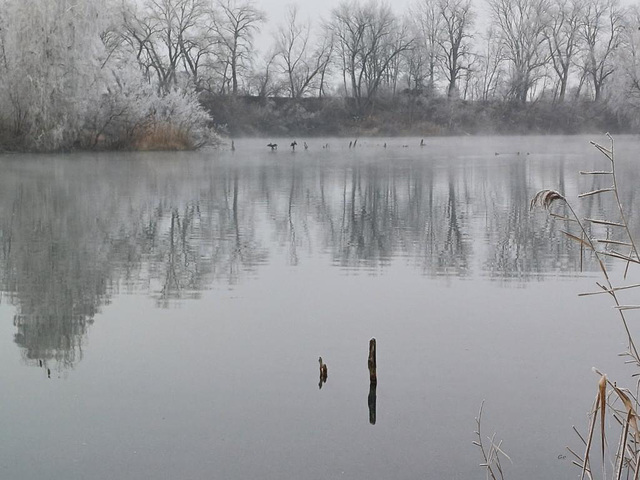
162 314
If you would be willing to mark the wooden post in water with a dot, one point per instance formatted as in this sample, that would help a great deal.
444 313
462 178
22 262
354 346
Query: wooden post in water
373 375
373 382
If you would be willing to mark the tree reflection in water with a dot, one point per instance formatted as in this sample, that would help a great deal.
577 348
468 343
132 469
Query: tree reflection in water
69 241
54 270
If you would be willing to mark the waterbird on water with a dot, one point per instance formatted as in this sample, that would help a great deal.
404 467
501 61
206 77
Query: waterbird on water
273 146
293 145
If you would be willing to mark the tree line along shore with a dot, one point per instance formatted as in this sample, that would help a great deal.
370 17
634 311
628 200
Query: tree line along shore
409 115
181 74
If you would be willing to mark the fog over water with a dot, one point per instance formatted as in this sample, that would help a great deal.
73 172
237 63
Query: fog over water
162 314
193 312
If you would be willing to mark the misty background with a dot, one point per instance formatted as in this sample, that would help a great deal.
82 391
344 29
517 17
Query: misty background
179 74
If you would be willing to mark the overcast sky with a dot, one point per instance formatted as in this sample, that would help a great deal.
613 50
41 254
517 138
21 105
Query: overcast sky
307 9
312 9
317 9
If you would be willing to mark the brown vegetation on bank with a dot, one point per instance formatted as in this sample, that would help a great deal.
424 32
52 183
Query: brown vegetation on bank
162 137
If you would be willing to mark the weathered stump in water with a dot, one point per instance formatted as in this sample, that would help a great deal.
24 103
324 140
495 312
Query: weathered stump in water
373 375
323 373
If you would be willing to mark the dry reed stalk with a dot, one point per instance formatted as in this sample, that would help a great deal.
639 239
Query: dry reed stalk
547 198
490 454
627 454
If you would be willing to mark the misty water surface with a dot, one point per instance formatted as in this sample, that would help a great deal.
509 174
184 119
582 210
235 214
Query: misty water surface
162 314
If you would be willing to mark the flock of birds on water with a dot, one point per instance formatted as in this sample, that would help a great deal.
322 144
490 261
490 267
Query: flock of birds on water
353 143
294 144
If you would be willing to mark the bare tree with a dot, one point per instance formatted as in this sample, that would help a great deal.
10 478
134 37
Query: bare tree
349 31
397 42
235 23
177 22
427 24
168 35
521 25
562 36
324 56
197 43
415 64
262 82
299 63
601 31
457 20
368 38
489 69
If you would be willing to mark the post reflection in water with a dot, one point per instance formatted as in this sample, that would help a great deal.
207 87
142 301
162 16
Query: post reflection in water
371 401
69 243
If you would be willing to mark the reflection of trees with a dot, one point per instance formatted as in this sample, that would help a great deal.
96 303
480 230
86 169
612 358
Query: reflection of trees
365 215
392 211
231 229
371 219
175 262
67 242
47 246
289 209
454 250
186 248
522 244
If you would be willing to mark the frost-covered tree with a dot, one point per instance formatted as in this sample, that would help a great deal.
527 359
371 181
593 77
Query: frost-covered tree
51 68
67 81
624 94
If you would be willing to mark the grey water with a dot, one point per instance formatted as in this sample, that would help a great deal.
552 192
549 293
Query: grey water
162 314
